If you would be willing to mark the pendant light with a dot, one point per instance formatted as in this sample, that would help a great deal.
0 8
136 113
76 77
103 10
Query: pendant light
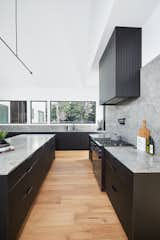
15 53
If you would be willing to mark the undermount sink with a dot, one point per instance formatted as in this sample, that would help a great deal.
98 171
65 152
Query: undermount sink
113 143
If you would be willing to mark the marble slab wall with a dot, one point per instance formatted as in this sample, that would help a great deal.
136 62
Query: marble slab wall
146 107
45 128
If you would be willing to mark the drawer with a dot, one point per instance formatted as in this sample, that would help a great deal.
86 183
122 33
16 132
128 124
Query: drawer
17 174
120 197
19 199
24 183
40 167
124 174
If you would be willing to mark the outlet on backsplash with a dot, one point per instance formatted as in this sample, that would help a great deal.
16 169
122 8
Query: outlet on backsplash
122 121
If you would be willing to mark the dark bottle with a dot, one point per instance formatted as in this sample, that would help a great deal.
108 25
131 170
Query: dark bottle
148 145
151 146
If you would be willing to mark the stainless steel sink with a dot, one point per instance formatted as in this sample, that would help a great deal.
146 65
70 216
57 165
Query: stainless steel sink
110 142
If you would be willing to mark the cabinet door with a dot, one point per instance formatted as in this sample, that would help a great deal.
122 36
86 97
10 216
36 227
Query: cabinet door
72 141
107 72
84 141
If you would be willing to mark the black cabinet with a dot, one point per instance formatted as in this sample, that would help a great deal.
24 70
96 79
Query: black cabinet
20 187
18 112
96 155
119 67
135 198
72 140
119 186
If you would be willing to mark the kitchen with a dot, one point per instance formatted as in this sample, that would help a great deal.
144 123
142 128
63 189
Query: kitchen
79 120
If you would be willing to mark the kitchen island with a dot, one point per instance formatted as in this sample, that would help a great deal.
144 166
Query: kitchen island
22 172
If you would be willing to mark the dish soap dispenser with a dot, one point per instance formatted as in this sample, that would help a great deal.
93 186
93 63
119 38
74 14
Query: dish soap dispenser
143 137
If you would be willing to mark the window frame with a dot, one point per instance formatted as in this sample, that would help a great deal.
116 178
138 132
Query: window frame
9 112
71 123
46 103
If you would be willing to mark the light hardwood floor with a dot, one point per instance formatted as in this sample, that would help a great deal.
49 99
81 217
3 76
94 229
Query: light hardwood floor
70 205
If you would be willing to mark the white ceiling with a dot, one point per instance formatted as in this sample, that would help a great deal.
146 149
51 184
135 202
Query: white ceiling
53 41
61 40
120 13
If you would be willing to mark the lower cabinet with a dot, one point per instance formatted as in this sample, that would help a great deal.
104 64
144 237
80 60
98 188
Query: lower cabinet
135 198
119 186
19 193
72 140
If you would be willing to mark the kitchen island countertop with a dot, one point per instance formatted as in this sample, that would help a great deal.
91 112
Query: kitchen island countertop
25 145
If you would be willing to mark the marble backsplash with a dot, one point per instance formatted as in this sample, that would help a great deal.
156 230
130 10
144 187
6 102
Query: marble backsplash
46 128
146 107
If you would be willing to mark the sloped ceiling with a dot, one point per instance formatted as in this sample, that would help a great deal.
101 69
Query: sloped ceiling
111 13
62 40
52 41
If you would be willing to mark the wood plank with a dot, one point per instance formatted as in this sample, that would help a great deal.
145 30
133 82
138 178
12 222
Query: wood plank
70 205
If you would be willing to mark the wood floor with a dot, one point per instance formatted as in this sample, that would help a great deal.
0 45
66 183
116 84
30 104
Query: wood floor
70 205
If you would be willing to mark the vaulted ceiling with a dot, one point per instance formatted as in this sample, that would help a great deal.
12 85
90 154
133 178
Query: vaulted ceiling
61 40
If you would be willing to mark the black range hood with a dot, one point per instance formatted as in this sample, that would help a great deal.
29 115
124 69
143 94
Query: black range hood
119 67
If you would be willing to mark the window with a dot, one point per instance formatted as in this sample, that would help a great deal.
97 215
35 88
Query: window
39 112
4 112
83 112
18 111
13 112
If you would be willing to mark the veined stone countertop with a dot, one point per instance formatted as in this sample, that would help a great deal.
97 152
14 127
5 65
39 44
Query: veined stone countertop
25 145
102 134
136 161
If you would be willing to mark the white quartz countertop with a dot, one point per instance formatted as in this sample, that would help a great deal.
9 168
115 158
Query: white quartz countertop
25 145
136 161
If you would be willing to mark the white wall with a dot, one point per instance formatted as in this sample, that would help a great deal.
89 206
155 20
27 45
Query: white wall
100 13
151 37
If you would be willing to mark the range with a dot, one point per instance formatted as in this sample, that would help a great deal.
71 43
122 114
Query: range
96 154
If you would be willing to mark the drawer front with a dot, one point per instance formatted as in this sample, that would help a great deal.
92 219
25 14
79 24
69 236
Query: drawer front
19 203
122 203
120 192
25 189
17 174
119 170
47 150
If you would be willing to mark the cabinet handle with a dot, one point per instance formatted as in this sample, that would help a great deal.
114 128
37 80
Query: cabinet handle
29 190
114 188
29 169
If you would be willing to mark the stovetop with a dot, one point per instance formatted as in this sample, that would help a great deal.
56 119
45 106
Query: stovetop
109 142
